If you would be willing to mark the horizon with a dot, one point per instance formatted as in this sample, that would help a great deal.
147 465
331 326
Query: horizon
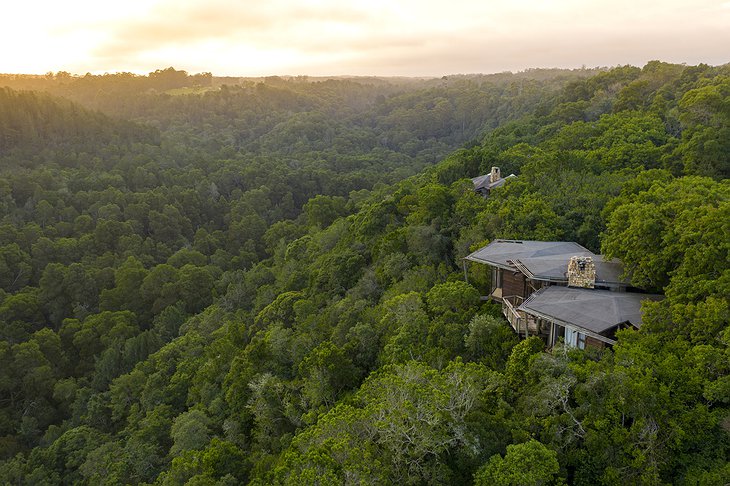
327 76
349 76
324 38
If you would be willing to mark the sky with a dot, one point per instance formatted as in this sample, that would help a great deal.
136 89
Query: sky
343 37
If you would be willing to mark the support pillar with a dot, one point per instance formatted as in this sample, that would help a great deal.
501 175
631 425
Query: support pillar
552 334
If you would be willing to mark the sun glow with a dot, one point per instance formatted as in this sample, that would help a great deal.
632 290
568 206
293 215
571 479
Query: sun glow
404 37
45 36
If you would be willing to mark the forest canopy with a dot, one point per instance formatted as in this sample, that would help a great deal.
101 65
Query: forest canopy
225 281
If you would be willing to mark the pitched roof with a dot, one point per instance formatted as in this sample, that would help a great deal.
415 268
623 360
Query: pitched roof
594 310
503 253
554 268
483 182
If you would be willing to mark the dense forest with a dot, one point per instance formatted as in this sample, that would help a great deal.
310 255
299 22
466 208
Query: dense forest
227 281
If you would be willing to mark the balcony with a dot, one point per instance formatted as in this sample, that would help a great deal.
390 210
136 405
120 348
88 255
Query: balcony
523 324
509 309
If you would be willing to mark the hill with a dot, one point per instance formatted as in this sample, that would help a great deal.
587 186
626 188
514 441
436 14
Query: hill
32 122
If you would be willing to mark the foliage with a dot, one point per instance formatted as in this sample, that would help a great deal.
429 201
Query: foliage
232 281
526 463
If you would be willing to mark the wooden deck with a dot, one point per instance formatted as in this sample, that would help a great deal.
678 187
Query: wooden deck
523 324
509 309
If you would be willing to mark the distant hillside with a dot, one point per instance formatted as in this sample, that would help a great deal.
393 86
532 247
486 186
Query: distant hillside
32 122
389 128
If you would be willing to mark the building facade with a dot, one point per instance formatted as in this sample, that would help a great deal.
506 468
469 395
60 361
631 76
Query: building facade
559 290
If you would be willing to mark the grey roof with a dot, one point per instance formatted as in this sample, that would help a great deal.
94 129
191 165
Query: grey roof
555 268
594 310
482 182
503 253
609 270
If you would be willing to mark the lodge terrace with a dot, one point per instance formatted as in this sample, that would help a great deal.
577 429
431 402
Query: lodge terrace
560 290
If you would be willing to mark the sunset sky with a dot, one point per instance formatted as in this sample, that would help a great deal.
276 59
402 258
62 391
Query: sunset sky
374 37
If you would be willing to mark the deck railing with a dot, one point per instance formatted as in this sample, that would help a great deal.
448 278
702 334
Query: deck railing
516 318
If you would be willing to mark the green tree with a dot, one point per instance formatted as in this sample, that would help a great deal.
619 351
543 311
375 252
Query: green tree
53 295
326 372
652 233
529 463
517 370
406 324
126 294
322 210
490 341
190 431
194 288
15 267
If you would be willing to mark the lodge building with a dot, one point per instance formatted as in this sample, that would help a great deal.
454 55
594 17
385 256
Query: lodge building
485 183
560 290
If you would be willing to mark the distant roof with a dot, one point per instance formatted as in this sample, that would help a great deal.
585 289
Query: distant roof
503 253
482 182
554 268
594 310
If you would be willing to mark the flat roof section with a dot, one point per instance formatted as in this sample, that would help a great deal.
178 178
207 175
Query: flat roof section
594 310
501 253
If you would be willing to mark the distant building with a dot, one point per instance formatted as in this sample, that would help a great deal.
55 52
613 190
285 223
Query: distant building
485 183
559 289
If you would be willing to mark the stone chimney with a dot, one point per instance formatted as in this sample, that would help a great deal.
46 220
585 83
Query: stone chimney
494 175
581 272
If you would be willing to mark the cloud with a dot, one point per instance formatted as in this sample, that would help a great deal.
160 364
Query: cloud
418 37
266 25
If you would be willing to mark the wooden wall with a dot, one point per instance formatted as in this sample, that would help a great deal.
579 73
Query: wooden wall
513 284
594 343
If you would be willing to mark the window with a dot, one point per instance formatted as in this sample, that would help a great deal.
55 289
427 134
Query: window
495 288
571 337
575 339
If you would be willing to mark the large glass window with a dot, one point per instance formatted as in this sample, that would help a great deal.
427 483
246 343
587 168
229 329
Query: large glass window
571 337
574 338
